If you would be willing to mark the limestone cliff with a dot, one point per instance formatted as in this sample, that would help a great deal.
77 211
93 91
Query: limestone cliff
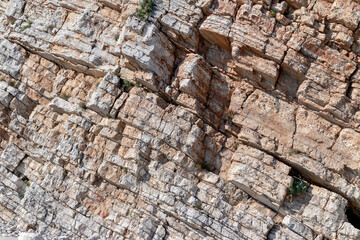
180 119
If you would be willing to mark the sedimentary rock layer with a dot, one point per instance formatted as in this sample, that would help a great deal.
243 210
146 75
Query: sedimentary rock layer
190 122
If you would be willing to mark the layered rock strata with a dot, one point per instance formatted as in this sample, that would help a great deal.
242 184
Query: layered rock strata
190 124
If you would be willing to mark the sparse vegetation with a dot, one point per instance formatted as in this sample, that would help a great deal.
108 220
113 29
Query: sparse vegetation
64 96
2 80
138 84
299 185
230 118
293 151
82 105
13 84
117 71
273 12
65 173
126 82
12 23
28 25
145 9
26 181
229 115
22 195
192 2
109 116
235 146
199 207
126 85
84 136
117 36
204 165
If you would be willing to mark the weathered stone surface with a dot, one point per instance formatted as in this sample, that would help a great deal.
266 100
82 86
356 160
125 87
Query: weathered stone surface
192 123
268 116
316 207
11 157
62 106
12 58
30 236
105 95
180 23
297 227
216 29
194 77
250 165
144 45
348 146
15 9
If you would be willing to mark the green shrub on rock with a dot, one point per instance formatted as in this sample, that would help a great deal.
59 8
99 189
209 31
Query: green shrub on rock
299 185
146 7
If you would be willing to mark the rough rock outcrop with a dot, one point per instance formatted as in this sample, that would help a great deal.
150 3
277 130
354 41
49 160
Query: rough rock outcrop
197 120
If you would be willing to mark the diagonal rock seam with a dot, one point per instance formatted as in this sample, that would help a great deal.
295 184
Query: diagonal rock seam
204 149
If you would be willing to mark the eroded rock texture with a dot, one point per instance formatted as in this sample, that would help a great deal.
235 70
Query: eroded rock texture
191 124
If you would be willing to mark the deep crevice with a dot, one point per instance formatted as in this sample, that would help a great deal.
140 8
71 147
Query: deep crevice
353 217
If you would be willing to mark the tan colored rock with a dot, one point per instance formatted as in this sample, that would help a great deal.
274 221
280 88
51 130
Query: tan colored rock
183 125
347 145
268 116
249 166
216 29
152 50
311 130
194 77
345 12
180 23
317 206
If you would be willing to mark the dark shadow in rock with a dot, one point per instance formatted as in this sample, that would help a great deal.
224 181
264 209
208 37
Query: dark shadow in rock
353 217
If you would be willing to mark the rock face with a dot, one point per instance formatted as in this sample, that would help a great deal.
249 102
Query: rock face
196 122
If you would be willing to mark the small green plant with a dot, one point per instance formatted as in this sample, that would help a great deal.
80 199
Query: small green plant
117 36
84 136
199 207
2 80
117 71
64 96
145 9
273 12
204 165
82 105
229 115
278 223
299 185
13 22
28 25
138 84
293 151
127 83
26 181
230 118
65 173
108 116
13 84
235 146
192 2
